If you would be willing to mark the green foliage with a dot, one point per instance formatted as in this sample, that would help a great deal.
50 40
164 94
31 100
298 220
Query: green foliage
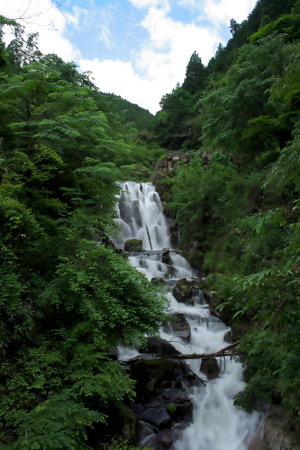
171 408
195 75
57 423
140 117
231 110
66 299
115 444
172 124
288 24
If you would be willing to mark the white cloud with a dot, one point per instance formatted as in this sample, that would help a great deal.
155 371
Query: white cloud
147 3
181 39
160 61
224 10
220 12
120 78
158 65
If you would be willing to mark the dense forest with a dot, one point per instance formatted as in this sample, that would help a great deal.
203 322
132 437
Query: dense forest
65 146
237 202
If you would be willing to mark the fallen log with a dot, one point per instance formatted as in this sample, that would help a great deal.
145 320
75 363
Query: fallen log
220 353
223 352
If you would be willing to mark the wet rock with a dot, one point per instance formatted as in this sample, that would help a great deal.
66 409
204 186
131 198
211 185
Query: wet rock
179 326
167 394
150 373
159 347
225 315
166 256
162 163
278 431
130 428
210 367
153 404
228 337
165 440
158 417
182 291
184 406
133 245
165 384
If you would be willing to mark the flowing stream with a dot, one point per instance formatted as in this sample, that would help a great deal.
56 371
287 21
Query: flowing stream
217 424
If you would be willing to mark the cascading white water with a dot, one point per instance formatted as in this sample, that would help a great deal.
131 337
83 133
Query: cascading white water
141 216
217 424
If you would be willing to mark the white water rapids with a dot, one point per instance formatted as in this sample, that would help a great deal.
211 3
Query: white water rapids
217 424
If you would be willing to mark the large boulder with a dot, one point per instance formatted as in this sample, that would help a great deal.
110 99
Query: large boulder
210 367
130 427
279 431
166 256
183 405
228 337
213 300
159 347
179 326
149 373
158 417
158 281
182 291
133 245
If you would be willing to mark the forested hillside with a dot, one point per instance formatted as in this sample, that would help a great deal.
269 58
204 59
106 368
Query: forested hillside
237 202
64 300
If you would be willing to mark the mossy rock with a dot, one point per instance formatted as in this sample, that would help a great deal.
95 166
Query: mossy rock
133 245
182 291
150 373
179 326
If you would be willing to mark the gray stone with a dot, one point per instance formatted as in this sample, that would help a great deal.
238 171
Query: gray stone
278 434
228 337
149 373
210 367
179 326
158 417
182 291
166 256
159 347
184 406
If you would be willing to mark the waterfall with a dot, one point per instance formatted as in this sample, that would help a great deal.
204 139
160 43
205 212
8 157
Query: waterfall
141 217
217 424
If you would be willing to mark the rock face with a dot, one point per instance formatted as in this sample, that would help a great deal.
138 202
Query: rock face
159 347
158 417
162 405
214 301
179 326
166 256
150 373
133 245
182 291
279 431
210 367
130 428
184 406
228 337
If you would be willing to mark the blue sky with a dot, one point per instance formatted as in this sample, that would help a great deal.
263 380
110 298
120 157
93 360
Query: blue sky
138 49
